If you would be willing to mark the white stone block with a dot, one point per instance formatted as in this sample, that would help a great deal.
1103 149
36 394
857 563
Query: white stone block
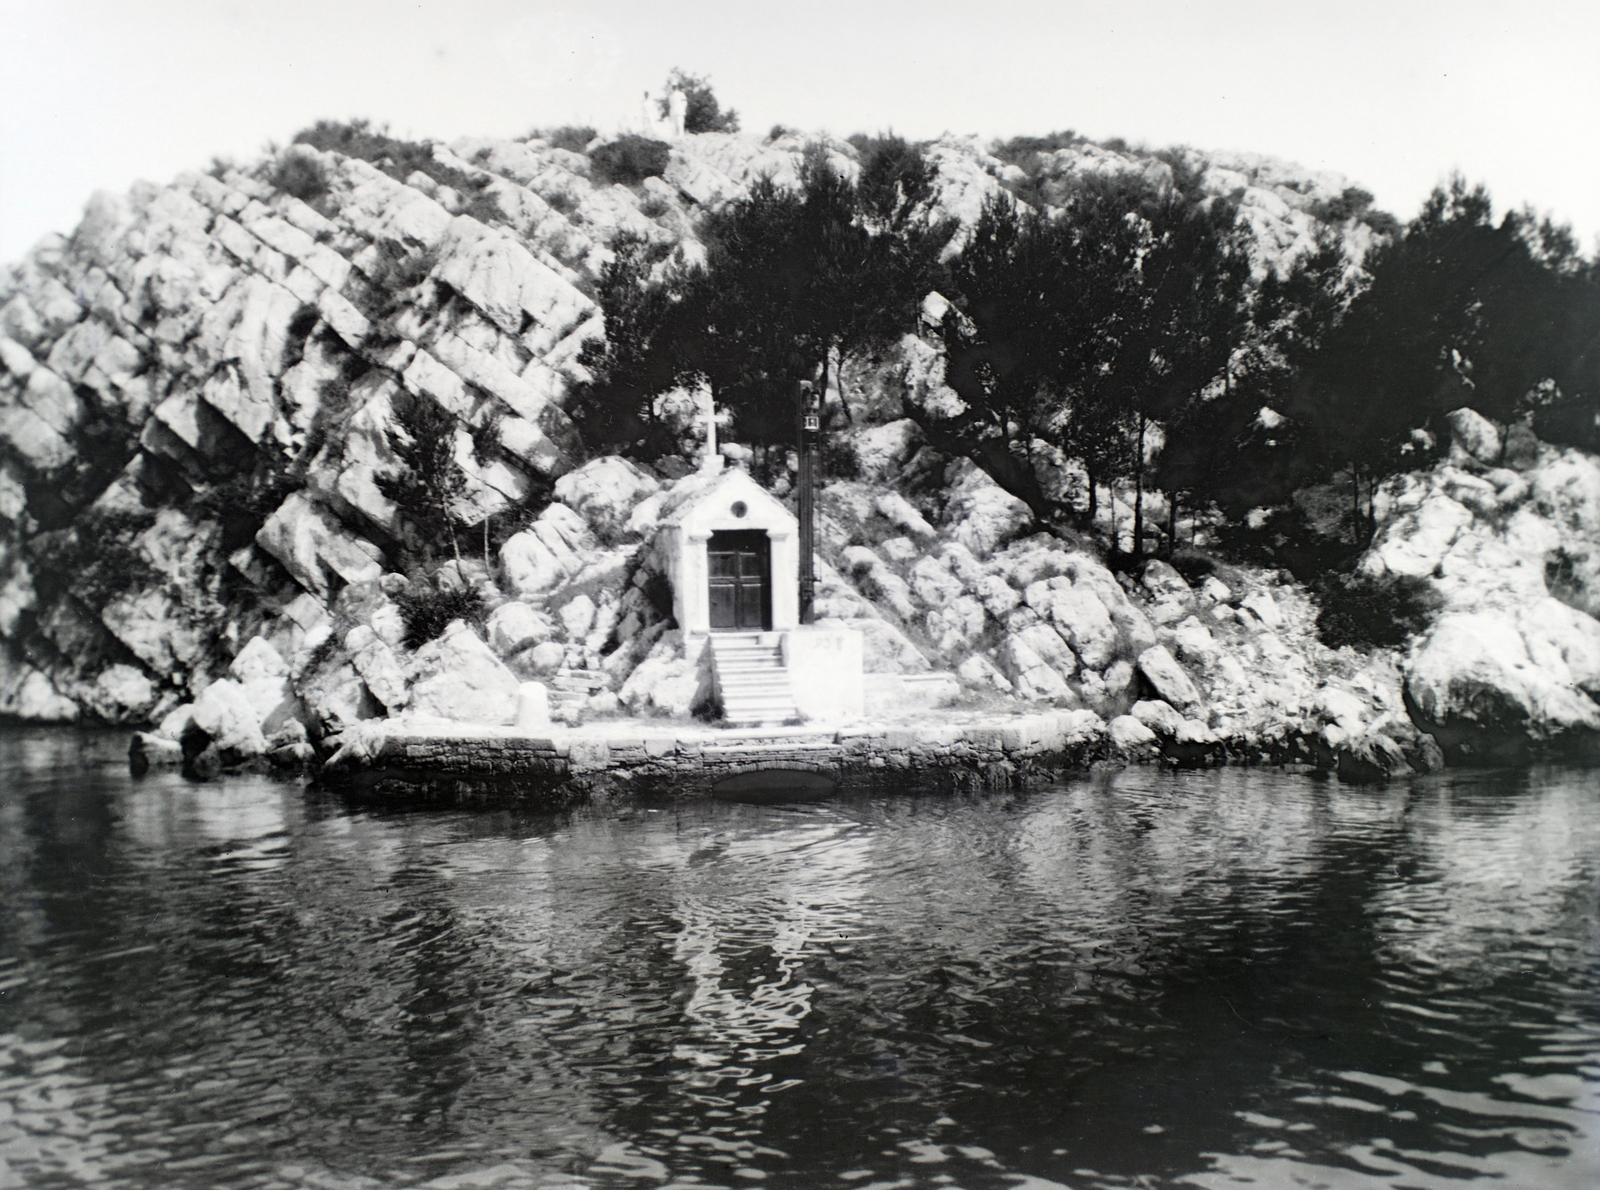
533 707
826 672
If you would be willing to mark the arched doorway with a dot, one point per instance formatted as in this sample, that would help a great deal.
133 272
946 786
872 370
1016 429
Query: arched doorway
739 579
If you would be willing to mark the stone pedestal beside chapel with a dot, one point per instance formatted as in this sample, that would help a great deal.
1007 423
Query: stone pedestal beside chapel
732 553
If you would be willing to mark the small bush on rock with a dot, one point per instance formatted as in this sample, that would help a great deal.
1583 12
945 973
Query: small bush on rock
1356 609
301 177
427 611
395 157
574 138
629 160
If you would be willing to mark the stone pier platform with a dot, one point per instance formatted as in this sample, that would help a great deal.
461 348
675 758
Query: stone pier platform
451 763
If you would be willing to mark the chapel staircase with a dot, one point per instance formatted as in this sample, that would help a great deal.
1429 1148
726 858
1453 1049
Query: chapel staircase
568 689
751 679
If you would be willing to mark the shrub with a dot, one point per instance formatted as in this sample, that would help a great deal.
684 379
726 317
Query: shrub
1356 609
630 160
96 560
395 157
427 611
302 177
654 207
1195 565
485 208
573 137
1021 150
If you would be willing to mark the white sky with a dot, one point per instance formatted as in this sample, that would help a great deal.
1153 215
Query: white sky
1392 93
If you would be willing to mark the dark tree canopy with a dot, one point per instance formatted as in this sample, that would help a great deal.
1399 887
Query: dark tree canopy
1122 330
1080 329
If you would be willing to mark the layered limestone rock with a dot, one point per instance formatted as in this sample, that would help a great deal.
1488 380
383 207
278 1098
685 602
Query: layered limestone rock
1505 533
198 392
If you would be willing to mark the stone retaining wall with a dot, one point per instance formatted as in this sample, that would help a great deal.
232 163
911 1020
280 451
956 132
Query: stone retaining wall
506 770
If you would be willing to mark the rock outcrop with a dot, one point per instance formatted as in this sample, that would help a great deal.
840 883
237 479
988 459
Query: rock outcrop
198 390
1508 542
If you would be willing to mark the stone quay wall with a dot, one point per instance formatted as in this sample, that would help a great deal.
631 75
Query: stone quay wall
504 770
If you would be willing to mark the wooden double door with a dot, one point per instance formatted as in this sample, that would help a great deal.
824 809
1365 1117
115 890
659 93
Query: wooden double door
740 568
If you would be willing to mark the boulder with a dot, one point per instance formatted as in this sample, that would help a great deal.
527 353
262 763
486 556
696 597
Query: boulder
1080 615
604 492
1194 641
933 584
157 629
545 658
957 626
1475 685
665 682
882 450
257 660
903 515
978 670
1474 436
1158 716
1344 707
997 596
518 293
378 666
1265 608
338 698
226 713
577 616
315 549
1192 744
1168 679
458 677
147 751
1369 758
981 515
515 626
1163 581
25 693
125 692
1129 736
1051 648
1029 673
548 553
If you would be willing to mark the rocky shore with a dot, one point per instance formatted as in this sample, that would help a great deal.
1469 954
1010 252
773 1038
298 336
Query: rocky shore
194 392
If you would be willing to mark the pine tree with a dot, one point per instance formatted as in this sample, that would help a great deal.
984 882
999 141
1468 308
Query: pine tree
430 481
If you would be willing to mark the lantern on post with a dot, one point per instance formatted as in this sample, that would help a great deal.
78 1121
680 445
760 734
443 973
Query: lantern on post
809 411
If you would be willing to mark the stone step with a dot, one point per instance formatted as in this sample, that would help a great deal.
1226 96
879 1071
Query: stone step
753 682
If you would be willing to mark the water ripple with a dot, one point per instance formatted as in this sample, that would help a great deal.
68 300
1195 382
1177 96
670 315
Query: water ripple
1146 979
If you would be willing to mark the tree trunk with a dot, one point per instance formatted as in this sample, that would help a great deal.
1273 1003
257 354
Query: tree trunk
1094 496
1172 523
1138 493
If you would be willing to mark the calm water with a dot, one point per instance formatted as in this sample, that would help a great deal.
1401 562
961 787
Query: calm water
1144 979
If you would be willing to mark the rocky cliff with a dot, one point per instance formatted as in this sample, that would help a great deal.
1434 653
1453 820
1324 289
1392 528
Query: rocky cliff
194 393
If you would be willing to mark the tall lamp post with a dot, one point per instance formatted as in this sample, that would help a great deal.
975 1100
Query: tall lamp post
810 428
